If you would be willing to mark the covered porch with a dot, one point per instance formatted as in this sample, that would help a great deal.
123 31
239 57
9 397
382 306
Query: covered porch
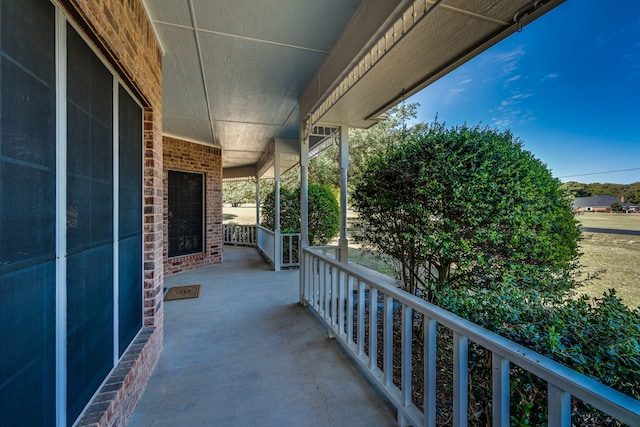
247 353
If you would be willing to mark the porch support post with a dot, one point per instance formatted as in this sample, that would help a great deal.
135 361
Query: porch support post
277 244
344 166
257 201
304 189
304 204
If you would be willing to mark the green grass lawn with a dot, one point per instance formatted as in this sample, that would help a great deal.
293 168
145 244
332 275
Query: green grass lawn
615 259
617 221
245 214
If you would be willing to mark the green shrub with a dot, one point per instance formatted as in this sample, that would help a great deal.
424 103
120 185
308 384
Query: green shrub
596 337
324 213
289 211
451 204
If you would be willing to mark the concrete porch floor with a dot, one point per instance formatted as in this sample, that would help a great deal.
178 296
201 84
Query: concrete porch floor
246 353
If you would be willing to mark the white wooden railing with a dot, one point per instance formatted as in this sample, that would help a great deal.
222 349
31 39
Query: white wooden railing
289 249
239 234
267 243
342 298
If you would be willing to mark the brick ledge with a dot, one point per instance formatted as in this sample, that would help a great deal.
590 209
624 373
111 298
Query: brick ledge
113 405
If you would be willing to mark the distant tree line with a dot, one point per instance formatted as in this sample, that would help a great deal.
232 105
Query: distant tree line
630 192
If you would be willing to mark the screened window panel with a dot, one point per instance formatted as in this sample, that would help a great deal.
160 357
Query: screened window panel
89 223
129 219
186 207
27 224
89 325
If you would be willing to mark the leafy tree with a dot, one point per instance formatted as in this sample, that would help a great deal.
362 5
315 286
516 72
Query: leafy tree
237 192
616 207
324 169
631 192
576 189
465 206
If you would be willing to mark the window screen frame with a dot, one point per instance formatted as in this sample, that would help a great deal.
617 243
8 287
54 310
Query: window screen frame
57 403
172 254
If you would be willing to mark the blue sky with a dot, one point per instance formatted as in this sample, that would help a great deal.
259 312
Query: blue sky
567 85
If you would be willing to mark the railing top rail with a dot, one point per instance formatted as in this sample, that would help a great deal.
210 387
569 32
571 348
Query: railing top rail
290 234
266 229
621 406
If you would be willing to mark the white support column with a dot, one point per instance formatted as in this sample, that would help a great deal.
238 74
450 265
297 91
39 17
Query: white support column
304 190
344 166
257 201
278 243
304 203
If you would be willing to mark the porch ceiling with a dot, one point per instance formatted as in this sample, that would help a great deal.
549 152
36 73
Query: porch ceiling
238 73
233 70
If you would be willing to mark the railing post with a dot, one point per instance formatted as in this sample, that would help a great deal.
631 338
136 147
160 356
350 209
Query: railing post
344 166
559 403
277 249
430 348
304 191
460 380
501 390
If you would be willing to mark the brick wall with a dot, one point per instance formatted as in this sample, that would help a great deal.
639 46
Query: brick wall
122 32
190 157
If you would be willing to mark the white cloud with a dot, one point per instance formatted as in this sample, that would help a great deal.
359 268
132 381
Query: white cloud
512 79
507 61
452 94
465 81
511 111
521 96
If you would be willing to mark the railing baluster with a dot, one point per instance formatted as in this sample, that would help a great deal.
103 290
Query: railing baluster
387 340
325 287
500 391
342 300
321 282
360 325
309 272
407 345
373 328
430 330
334 298
460 379
316 284
349 319
559 402
291 249
563 383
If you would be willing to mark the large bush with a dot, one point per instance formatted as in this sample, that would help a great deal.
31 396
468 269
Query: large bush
324 213
465 206
481 228
289 211
596 337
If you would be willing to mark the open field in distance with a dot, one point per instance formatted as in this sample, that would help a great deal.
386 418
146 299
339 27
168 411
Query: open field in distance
614 258
618 221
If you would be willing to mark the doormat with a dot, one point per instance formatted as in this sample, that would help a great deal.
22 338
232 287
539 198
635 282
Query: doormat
183 292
